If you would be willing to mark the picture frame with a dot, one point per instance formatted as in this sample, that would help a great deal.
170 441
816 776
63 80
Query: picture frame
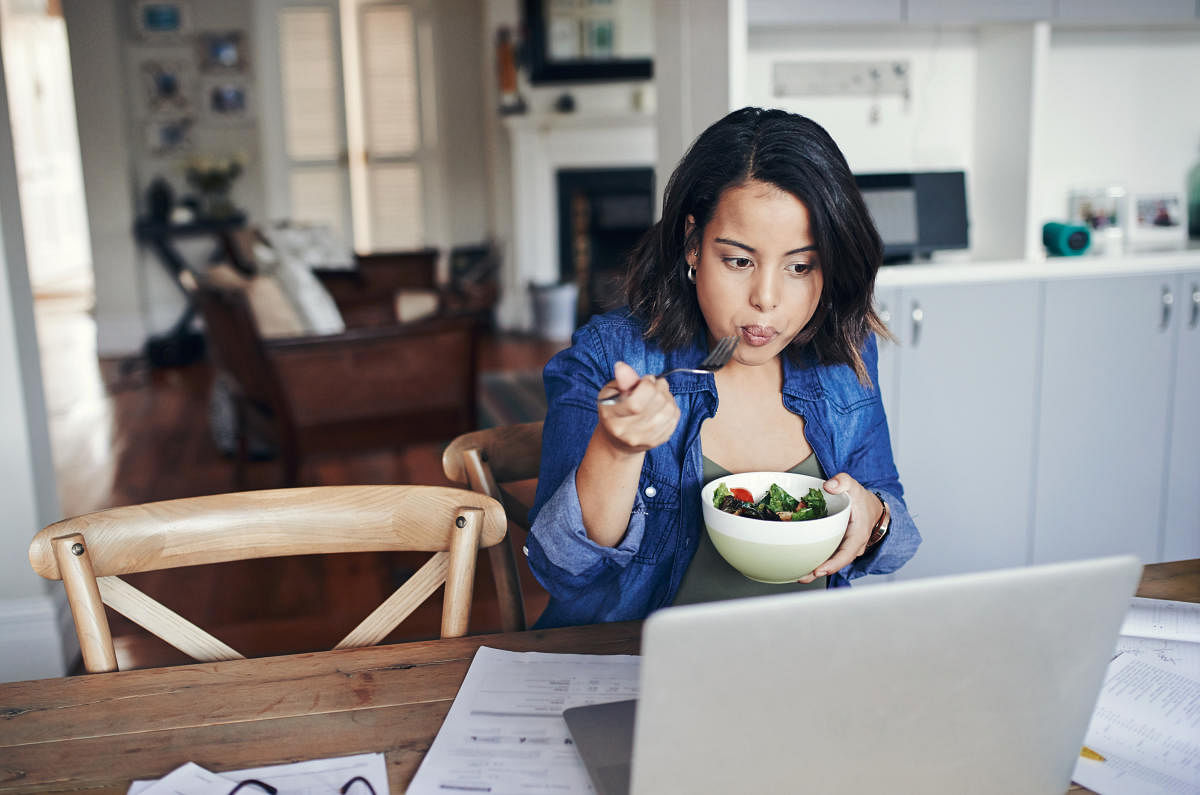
568 41
222 52
1104 211
1158 220
161 20
225 100
169 137
168 82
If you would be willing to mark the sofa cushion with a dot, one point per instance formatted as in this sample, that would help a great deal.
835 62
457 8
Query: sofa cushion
273 310
294 251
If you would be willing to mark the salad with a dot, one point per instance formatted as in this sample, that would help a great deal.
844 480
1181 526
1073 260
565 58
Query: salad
776 505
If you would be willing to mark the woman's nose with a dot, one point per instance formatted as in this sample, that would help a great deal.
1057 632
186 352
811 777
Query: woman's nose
764 291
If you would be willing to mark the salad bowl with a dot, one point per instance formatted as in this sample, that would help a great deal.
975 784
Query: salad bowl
774 551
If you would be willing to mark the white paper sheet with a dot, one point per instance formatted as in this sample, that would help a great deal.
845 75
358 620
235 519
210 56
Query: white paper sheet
504 733
1164 632
311 777
1147 728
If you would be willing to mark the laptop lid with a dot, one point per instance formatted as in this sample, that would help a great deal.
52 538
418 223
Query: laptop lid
981 682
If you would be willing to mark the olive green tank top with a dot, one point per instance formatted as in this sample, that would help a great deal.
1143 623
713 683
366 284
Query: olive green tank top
709 578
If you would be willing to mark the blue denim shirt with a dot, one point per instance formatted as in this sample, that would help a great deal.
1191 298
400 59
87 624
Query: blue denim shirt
589 583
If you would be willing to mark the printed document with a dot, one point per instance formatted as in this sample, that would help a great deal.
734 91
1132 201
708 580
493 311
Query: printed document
504 733
311 777
1144 736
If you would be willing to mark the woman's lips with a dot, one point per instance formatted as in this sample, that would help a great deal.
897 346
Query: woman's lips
758 336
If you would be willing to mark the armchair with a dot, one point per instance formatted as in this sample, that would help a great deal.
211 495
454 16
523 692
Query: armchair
367 387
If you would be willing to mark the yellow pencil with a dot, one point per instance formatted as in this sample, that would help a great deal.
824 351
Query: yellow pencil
1088 753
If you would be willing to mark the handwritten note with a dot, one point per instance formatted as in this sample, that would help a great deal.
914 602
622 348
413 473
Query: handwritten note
505 734
1165 632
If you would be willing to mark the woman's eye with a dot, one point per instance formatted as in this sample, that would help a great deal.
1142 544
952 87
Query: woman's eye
739 263
800 268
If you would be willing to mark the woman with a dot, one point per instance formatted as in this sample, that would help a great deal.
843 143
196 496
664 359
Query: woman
764 235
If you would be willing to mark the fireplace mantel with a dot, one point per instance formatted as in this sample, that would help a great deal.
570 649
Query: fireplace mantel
540 145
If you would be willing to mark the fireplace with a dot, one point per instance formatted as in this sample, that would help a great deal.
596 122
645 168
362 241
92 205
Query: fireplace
542 146
602 213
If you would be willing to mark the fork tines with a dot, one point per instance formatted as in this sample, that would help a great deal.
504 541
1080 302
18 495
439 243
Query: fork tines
721 353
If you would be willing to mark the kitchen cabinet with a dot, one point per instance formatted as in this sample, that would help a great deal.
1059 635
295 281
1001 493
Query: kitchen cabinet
1181 535
963 435
886 299
975 11
1139 11
1103 422
766 13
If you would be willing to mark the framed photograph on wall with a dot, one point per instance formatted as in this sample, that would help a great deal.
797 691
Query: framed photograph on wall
225 100
1157 220
161 20
167 137
168 85
222 52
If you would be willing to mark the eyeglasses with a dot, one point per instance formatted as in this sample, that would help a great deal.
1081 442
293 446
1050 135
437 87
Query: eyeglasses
345 789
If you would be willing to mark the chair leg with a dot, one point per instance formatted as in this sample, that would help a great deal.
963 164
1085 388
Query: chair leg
508 586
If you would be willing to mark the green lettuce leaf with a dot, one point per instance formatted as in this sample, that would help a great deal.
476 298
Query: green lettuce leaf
721 493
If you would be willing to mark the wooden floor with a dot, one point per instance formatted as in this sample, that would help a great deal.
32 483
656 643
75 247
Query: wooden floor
123 434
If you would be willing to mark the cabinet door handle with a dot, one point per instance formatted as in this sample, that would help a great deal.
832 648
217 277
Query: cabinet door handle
1168 298
1195 319
918 317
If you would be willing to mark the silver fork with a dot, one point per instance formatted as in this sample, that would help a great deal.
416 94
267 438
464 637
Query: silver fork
717 358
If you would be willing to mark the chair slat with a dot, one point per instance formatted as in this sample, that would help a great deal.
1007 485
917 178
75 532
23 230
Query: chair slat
164 622
397 607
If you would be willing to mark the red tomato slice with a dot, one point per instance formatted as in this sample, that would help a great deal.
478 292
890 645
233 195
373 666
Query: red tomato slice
742 494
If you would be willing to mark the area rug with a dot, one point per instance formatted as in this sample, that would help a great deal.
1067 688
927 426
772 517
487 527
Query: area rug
506 398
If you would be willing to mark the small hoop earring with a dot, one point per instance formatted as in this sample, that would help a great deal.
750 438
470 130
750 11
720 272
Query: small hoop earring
691 274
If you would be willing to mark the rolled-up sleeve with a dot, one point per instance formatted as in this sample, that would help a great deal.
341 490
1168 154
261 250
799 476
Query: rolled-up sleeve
565 561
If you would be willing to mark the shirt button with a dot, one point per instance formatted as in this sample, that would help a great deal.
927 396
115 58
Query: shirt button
650 491
525 550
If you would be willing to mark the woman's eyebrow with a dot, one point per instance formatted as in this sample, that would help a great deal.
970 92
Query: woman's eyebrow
751 249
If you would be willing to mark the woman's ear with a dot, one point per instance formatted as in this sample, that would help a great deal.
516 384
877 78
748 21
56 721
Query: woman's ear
690 249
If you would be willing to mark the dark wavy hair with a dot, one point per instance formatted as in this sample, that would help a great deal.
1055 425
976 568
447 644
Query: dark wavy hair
795 154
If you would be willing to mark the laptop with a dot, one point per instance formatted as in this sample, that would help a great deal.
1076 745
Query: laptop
980 682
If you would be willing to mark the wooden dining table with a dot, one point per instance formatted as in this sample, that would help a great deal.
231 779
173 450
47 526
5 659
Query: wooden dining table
100 731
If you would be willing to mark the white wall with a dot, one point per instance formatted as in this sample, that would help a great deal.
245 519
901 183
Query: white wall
1122 108
30 645
96 73
930 130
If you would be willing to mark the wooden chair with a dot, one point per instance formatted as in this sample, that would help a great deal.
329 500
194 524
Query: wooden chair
88 553
482 460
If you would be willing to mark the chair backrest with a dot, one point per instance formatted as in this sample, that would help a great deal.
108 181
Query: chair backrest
89 552
482 460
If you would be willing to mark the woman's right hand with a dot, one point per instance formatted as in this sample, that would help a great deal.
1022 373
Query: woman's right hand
644 418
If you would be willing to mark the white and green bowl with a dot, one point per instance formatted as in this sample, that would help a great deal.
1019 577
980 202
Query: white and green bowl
774 552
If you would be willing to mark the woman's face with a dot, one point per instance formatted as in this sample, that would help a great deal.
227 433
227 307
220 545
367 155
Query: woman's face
757 270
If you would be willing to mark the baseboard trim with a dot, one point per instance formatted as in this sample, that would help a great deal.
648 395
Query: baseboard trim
34 641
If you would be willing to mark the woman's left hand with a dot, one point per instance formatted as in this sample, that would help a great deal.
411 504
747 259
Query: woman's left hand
865 510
